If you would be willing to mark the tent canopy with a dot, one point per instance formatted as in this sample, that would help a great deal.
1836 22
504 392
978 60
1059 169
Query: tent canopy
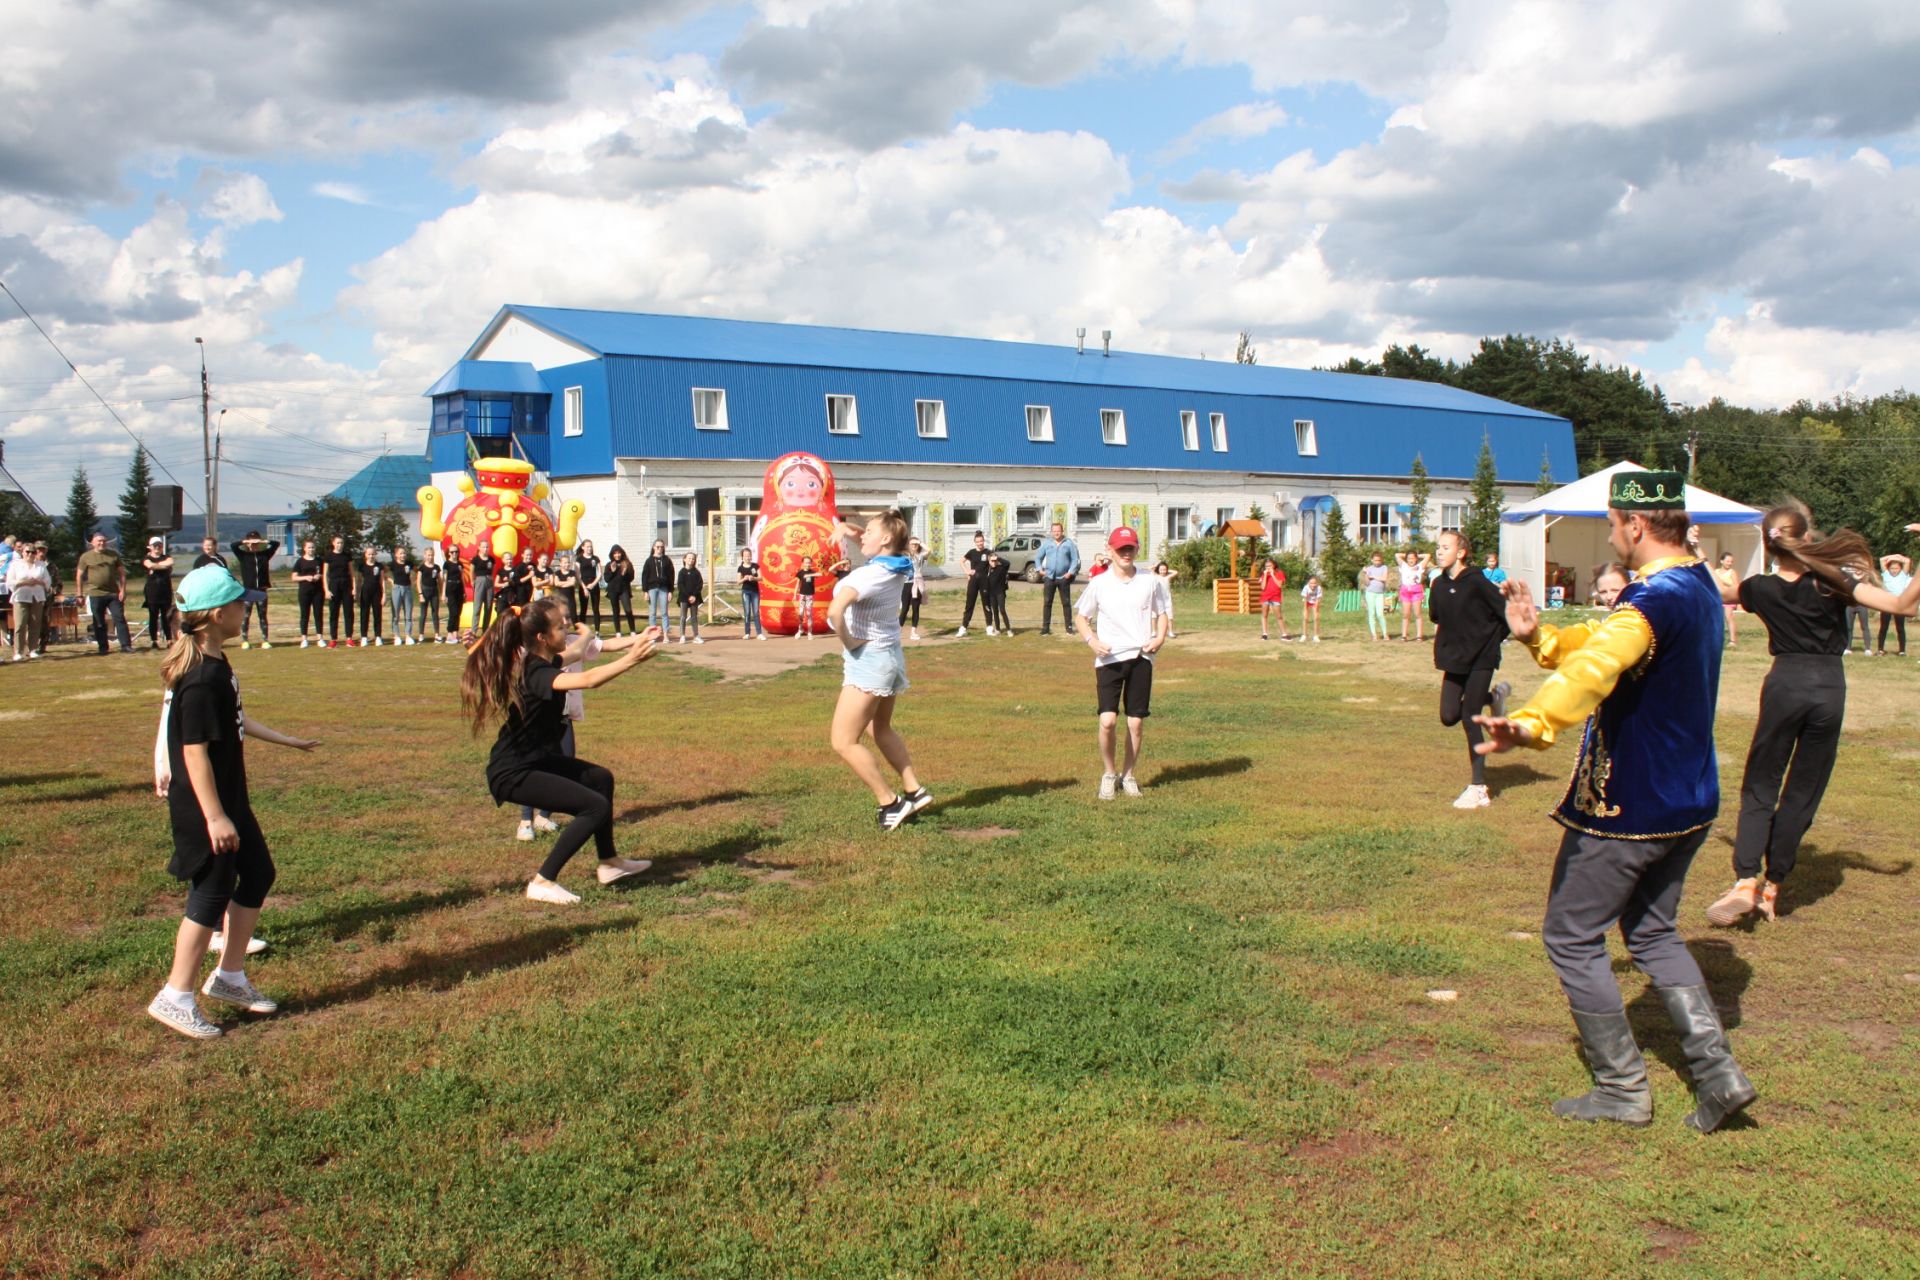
1587 496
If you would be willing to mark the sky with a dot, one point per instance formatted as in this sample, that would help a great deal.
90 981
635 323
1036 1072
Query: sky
337 196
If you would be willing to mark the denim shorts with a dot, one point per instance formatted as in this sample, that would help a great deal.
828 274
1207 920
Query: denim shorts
878 669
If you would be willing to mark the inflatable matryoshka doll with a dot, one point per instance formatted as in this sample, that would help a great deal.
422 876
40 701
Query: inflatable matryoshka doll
797 519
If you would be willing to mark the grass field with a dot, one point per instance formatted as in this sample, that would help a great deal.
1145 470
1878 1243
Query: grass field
1028 1035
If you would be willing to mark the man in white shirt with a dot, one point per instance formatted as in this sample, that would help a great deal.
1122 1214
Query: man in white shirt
1124 618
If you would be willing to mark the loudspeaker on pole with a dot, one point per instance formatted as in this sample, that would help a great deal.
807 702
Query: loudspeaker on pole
164 509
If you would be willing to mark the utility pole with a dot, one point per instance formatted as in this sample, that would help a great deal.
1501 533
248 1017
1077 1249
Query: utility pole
213 511
1693 453
212 527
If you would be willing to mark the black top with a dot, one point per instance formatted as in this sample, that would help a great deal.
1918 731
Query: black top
483 566
619 575
370 577
522 589
1802 616
690 587
204 559
1470 620
805 578
532 731
749 576
657 574
306 568
589 570
253 564
997 574
400 572
456 586
565 580
976 559
206 711
339 566
429 580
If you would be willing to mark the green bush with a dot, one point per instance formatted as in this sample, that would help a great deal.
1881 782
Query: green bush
1201 561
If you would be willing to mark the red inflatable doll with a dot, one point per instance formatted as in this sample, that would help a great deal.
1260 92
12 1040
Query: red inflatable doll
797 519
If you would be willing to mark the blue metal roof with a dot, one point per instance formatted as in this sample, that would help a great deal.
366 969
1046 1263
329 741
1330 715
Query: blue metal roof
622 333
489 375
389 480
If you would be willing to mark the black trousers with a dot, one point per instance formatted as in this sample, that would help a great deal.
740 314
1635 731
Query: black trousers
909 604
311 601
430 612
620 602
456 600
159 621
589 600
1048 589
369 609
1798 735
339 604
974 588
1462 695
1899 622
1636 883
997 608
578 787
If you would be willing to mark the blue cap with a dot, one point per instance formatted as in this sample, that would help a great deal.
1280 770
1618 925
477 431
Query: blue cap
210 587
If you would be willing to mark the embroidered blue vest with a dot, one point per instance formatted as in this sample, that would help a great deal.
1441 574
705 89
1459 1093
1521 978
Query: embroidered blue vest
1647 768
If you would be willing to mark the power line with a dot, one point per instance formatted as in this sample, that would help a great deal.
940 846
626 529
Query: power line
96 394
65 408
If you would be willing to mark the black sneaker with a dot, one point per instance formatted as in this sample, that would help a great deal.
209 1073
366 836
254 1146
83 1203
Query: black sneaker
919 798
893 814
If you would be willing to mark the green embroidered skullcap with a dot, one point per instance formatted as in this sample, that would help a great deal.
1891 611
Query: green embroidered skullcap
1648 491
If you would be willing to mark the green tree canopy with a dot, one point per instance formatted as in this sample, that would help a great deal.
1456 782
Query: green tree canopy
1482 525
80 520
387 528
133 505
332 517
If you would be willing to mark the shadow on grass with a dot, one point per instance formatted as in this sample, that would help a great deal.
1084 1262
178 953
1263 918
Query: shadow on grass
737 850
346 922
13 780
446 970
1728 977
99 791
1201 769
981 797
1819 873
641 812
1502 776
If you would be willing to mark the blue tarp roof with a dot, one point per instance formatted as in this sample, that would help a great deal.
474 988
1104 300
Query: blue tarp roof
489 375
389 480
623 333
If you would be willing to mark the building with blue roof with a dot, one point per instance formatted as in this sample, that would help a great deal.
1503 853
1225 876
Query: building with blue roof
661 423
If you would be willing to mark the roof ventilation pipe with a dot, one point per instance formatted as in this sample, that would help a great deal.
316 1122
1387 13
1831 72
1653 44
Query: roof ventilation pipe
1106 342
1079 342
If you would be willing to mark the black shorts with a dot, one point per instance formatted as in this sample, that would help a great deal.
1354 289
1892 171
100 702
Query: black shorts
241 877
1130 681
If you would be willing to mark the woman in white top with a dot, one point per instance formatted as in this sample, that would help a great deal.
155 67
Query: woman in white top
29 582
914 590
864 615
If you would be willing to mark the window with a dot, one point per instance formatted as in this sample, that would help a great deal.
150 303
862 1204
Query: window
1303 438
1376 522
1453 517
930 417
843 416
1089 515
1179 523
1113 426
1217 424
573 418
1189 429
1039 423
1279 534
448 415
490 416
1029 515
744 512
1221 515
709 412
968 516
673 522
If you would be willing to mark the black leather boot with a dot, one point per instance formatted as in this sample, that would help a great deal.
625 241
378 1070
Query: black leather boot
1619 1092
1719 1086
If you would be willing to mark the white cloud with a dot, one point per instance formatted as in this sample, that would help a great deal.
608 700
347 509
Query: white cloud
237 199
1245 120
347 192
1753 360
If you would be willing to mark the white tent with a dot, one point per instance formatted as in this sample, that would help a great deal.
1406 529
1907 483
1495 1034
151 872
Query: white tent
1567 529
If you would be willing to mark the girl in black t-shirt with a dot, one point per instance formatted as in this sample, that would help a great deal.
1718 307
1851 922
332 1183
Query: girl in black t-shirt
453 584
523 578
158 594
337 582
1804 604
1469 616
803 597
689 592
588 592
312 594
619 577
514 676
217 843
372 595
566 583
429 572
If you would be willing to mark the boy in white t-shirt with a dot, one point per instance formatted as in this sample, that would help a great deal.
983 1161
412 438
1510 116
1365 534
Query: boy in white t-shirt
1124 616
865 615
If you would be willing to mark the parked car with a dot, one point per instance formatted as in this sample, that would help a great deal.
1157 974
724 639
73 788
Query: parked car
1019 552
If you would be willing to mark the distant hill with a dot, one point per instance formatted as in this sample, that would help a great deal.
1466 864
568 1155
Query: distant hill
192 528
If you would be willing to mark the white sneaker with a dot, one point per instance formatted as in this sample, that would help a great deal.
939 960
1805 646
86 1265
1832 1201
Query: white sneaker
1130 785
541 889
991 631
620 868
916 633
543 823
1473 798
246 644
962 631
255 945
525 832
266 644
241 994
185 1019
698 640
1106 786
303 642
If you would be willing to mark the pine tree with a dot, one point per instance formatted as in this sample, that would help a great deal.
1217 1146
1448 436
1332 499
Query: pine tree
1546 483
1340 560
1483 512
1420 491
133 504
81 518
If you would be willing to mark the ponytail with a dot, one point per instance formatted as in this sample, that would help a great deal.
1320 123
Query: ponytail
184 656
490 683
1839 559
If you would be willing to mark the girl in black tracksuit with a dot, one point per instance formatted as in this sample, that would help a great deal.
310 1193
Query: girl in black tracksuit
618 573
690 591
454 583
337 565
373 589
589 589
1470 620
312 594
429 586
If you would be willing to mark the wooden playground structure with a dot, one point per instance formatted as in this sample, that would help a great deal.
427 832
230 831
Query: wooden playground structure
1233 593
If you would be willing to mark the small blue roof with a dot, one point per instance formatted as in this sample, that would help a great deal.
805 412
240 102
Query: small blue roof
389 480
514 376
625 333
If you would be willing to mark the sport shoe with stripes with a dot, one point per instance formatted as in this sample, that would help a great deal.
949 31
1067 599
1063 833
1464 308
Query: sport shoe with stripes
240 994
185 1018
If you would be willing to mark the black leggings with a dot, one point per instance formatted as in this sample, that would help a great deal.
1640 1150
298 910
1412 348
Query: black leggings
430 612
310 606
160 624
909 604
997 608
339 604
1462 695
1802 705
620 601
589 599
241 877
369 608
1899 622
578 787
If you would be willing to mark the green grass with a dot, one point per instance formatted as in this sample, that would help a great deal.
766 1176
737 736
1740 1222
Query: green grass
1029 1035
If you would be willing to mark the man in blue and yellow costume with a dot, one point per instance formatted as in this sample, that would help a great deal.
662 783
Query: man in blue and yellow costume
1644 681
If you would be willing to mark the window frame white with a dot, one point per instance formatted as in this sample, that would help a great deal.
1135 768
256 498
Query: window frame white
853 414
1185 529
939 420
1217 431
1459 521
720 422
978 522
1190 431
1386 524
1099 522
1116 438
1221 515
1039 522
1306 442
573 411
1046 424
664 519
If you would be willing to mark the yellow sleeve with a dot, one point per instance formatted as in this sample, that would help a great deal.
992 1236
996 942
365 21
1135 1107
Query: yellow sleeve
1584 677
1550 644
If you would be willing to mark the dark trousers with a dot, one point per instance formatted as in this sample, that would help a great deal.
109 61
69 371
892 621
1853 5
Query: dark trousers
997 608
338 604
1796 739
369 608
1899 622
580 788
159 623
246 619
430 612
101 608
455 602
589 599
1598 882
1064 588
1462 695
909 605
974 587
312 602
621 603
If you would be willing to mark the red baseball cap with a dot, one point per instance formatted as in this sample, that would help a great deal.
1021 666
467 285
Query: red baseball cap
1123 537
